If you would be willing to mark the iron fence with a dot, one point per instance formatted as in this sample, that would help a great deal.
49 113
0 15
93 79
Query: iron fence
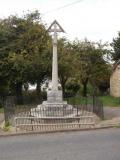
43 118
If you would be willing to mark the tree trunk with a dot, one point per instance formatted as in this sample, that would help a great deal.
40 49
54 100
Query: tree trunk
63 82
19 94
63 89
38 90
85 88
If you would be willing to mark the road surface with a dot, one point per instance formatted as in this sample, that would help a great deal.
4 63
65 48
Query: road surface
84 145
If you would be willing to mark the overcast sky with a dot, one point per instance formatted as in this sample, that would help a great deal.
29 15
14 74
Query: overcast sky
92 19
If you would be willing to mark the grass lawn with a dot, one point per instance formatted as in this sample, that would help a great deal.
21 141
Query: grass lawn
110 101
78 100
1 110
107 100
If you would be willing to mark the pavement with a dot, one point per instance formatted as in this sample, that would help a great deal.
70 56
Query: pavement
111 112
112 117
1 117
1 120
86 145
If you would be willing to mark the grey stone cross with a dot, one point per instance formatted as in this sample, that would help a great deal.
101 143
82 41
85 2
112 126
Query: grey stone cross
55 27
55 95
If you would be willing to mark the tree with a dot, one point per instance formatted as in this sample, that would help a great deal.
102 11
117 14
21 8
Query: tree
116 48
24 40
65 58
39 69
90 63
72 87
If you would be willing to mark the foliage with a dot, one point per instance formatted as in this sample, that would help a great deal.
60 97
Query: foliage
116 48
65 60
30 97
76 100
90 63
6 126
1 110
106 100
26 56
24 44
72 87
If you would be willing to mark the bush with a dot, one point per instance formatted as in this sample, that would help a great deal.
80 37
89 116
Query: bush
30 97
6 126
71 89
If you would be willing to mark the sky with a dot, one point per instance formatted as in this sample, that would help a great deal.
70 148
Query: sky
92 19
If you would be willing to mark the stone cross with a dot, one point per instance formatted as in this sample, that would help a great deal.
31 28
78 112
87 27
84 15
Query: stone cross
55 27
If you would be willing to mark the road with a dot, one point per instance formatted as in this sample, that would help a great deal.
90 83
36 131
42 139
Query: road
84 145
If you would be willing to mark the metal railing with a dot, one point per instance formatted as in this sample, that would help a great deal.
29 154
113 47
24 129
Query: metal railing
53 123
66 117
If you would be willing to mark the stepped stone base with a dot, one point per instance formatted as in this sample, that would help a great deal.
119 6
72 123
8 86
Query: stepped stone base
46 104
54 106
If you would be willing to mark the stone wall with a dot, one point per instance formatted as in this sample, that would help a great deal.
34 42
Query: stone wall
115 82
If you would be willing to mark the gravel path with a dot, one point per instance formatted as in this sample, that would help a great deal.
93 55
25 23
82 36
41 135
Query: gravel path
1 120
1 117
111 112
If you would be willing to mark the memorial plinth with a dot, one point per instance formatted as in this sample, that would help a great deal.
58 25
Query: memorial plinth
54 96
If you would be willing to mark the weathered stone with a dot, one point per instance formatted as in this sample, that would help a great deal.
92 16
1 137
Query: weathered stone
115 81
54 96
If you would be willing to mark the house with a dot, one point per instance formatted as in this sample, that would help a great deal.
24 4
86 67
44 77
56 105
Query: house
115 80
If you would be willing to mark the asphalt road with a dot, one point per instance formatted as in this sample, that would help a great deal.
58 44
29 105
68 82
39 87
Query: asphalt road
84 145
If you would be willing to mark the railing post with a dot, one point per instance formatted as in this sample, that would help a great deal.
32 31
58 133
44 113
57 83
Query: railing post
15 119
93 103
9 108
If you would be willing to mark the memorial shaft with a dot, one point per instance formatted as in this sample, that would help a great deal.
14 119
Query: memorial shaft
55 61
54 96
